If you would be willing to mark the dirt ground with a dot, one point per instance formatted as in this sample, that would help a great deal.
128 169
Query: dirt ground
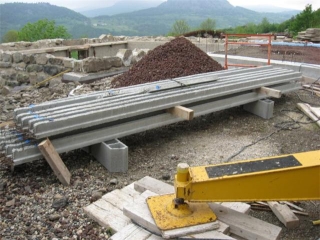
215 138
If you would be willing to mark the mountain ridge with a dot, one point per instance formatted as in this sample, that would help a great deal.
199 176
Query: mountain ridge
152 21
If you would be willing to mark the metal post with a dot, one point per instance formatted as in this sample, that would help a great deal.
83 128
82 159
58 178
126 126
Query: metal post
269 50
226 52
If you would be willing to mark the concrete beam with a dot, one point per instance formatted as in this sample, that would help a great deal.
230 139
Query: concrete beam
72 142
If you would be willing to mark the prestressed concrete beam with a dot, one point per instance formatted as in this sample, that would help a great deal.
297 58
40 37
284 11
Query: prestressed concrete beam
126 90
33 117
31 153
100 116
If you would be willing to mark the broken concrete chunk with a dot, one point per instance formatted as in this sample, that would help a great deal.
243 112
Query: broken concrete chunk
125 55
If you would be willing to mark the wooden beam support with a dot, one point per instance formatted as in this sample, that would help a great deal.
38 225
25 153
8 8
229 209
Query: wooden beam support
306 109
8 124
55 162
284 214
181 112
270 92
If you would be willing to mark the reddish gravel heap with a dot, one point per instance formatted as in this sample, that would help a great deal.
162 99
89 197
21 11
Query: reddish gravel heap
176 58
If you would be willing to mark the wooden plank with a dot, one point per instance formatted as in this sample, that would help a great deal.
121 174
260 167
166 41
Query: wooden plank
179 232
118 198
55 162
237 206
244 225
8 124
139 213
107 215
314 92
212 235
181 112
306 109
131 231
293 206
270 92
311 87
284 214
219 233
153 185
315 111
300 213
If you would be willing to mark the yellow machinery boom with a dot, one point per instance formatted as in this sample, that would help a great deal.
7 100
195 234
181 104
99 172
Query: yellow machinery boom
286 177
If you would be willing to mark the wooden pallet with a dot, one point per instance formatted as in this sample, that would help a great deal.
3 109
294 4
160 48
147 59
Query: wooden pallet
120 210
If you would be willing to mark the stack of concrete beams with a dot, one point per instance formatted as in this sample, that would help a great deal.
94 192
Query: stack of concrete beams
81 121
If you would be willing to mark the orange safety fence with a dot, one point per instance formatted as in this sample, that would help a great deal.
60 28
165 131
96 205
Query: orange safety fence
269 36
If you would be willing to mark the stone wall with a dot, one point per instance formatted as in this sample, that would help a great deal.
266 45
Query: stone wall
17 68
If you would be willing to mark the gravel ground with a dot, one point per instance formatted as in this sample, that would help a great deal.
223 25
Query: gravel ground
34 205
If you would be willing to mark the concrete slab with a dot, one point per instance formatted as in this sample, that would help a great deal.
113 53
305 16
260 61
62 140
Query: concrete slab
90 77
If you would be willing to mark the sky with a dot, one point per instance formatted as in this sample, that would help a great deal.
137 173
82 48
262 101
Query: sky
93 4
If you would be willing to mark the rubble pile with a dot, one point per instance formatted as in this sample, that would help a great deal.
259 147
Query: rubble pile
176 58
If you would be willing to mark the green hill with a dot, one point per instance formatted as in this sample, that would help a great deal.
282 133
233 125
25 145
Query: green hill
152 21
16 15
159 20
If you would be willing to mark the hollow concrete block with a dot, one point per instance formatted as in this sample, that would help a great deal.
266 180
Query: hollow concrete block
262 108
112 154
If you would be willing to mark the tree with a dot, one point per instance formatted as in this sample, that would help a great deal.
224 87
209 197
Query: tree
303 20
180 27
42 29
10 36
208 25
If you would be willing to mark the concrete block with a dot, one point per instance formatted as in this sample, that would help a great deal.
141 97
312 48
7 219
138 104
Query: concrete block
112 154
262 108
114 61
125 55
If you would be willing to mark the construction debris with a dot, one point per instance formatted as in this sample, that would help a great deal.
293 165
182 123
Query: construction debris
311 34
176 58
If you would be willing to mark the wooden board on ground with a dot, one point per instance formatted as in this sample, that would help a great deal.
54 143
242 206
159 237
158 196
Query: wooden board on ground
220 233
284 214
244 225
306 109
107 215
131 231
153 185
55 162
315 111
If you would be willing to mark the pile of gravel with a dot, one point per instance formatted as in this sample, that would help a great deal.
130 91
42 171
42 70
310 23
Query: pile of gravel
176 58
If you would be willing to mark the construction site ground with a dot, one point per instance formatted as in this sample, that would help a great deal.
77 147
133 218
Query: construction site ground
34 205
305 54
